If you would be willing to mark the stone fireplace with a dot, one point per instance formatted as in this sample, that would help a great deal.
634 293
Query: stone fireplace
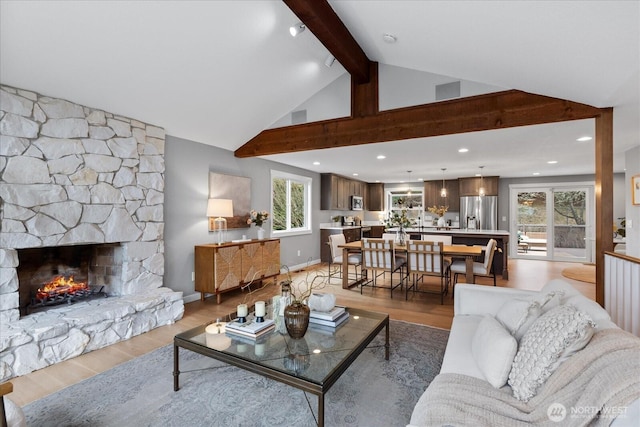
71 176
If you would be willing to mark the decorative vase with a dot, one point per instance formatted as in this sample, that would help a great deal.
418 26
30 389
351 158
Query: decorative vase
296 319
322 302
401 237
261 232
441 222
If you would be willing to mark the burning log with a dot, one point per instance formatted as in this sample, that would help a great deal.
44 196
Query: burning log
61 285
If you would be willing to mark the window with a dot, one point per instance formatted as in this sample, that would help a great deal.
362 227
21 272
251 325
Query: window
290 203
409 200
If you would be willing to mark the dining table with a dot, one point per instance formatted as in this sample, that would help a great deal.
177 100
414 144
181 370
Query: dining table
468 252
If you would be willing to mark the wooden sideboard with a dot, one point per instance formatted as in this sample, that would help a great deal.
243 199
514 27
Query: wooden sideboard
225 267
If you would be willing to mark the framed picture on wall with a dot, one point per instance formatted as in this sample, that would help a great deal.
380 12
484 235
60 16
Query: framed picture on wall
635 189
236 188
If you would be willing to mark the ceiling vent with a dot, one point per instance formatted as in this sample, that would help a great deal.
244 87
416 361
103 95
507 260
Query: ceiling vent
448 91
299 117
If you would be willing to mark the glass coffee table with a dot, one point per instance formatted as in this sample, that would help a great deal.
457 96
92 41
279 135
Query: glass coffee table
313 363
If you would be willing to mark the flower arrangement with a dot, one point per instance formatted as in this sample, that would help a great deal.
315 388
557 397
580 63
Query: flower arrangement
438 210
399 220
258 217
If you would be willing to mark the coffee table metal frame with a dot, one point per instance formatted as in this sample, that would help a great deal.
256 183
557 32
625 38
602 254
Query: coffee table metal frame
319 388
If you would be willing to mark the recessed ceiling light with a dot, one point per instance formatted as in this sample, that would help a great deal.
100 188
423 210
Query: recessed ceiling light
381 156
377 180
536 173
552 162
389 38
355 174
584 138
316 163
463 150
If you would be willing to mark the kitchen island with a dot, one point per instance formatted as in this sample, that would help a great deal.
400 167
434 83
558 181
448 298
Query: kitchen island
472 237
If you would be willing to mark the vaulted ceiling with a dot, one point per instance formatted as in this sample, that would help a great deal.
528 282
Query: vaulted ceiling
220 72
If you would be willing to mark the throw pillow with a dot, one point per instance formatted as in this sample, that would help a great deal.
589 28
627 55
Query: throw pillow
550 300
517 315
553 338
493 349
560 285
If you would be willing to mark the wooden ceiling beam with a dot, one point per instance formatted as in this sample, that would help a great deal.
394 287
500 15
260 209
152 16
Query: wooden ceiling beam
322 21
477 113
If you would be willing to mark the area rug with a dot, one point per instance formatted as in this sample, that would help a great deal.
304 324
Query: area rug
372 392
582 273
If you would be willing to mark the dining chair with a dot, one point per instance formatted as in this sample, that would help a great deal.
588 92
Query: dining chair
389 236
446 241
425 259
378 257
355 259
484 268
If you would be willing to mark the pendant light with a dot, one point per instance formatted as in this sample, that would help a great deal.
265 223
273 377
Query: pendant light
443 191
409 182
481 190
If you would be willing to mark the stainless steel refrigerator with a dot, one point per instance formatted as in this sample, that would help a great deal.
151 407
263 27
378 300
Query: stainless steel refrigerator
480 213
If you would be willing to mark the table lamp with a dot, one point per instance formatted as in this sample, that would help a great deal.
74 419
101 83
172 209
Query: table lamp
219 208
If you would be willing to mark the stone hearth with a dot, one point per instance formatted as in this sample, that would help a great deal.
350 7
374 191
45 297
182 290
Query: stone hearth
74 175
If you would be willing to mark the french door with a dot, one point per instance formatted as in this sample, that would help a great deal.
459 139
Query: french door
552 222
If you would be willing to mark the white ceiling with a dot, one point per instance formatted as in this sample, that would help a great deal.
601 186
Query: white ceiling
219 72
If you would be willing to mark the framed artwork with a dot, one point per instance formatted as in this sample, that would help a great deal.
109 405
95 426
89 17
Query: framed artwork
635 189
236 188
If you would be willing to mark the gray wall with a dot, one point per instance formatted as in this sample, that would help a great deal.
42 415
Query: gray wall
187 167
632 213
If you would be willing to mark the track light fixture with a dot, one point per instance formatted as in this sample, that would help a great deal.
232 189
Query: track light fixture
329 61
443 191
294 30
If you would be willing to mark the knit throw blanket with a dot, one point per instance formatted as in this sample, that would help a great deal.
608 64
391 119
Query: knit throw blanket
594 386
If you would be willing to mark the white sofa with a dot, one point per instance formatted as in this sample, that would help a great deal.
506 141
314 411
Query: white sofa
471 304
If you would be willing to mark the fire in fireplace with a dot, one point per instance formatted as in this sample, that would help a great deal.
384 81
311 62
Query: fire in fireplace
62 290
65 274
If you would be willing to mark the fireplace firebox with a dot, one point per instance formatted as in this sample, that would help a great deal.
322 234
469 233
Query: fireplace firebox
52 276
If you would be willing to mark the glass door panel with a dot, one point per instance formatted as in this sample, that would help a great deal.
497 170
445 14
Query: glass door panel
570 218
552 222
531 223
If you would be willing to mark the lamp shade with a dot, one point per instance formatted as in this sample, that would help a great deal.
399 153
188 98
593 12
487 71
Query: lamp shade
220 208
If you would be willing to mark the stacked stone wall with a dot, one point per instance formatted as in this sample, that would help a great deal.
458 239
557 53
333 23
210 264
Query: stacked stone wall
71 174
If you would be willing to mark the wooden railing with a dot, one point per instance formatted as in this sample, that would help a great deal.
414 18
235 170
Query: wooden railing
622 290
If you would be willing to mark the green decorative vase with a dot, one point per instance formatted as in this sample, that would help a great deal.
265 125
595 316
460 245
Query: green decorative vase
296 319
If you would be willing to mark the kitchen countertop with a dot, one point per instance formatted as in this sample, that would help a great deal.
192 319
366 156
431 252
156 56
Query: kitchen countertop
454 231
431 230
330 226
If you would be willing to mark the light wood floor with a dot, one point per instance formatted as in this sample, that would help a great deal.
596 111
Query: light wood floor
422 308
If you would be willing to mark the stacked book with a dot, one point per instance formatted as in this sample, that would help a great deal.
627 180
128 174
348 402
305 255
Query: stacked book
251 329
333 318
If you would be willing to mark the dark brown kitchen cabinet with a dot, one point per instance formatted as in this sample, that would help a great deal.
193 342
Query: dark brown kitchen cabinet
470 186
377 231
374 201
432 194
336 191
